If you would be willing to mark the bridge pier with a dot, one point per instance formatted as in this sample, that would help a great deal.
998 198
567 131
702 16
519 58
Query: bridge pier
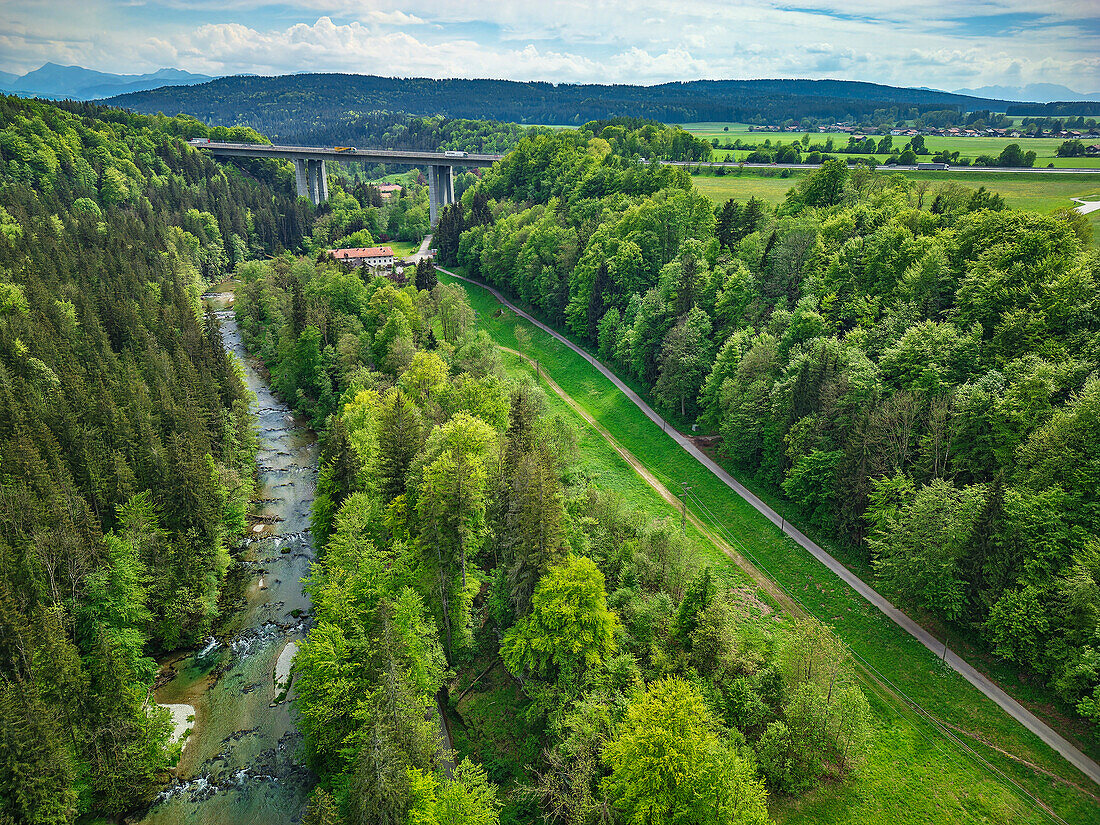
311 178
441 190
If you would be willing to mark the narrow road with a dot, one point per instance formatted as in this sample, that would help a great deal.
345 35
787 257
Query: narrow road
1086 206
1013 708
422 252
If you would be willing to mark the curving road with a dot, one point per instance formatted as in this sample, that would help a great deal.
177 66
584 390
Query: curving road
960 665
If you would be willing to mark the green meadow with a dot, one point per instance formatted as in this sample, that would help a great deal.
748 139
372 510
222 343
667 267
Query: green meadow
1021 190
969 147
917 773
403 249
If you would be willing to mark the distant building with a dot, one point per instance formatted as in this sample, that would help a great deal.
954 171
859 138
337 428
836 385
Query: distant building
388 189
372 256
1093 150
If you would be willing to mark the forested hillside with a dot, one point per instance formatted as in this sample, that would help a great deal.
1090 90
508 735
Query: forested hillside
390 130
277 106
126 448
460 535
915 370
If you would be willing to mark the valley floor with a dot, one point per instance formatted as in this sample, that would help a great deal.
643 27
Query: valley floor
942 753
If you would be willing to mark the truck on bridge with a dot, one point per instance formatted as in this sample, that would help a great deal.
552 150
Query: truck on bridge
312 177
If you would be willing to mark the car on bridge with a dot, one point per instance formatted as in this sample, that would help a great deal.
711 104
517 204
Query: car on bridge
346 149
451 153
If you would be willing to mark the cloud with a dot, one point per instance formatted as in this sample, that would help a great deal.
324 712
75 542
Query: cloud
395 18
642 41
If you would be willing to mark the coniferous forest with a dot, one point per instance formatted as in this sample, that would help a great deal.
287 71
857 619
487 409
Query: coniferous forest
126 447
280 105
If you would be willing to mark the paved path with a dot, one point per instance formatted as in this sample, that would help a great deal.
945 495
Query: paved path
1086 206
964 669
422 252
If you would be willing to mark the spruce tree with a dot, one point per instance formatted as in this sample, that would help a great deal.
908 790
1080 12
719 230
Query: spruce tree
425 275
400 429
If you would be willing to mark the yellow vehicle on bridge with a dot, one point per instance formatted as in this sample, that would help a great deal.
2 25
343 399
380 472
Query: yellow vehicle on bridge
345 149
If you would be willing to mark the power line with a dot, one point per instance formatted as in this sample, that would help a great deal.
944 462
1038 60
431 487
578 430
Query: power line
876 674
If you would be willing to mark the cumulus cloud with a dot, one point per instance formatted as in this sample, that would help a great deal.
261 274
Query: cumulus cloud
641 41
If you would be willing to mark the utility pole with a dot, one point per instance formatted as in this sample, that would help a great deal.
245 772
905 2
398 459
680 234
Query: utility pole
683 507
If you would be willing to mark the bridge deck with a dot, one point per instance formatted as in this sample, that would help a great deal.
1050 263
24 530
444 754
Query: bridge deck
402 156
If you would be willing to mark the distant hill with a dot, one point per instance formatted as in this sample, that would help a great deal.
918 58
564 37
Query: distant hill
54 81
1033 92
281 106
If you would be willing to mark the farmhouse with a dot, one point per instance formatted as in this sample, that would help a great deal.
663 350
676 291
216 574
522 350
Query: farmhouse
371 256
388 189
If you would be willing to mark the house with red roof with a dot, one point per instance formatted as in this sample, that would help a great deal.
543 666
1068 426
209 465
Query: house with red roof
372 256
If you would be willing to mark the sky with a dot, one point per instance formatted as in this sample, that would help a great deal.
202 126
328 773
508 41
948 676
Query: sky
964 43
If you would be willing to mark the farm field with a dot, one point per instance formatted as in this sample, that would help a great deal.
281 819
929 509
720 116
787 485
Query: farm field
1040 162
914 774
1024 190
1045 148
718 130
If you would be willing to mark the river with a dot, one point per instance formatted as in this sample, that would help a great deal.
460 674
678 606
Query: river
241 763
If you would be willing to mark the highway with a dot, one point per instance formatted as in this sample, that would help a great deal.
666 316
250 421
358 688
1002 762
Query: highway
1013 708
1038 170
414 157
402 156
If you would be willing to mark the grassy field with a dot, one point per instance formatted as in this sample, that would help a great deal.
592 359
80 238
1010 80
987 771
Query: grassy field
710 130
916 775
741 187
1022 190
400 178
1058 163
1045 148
403 249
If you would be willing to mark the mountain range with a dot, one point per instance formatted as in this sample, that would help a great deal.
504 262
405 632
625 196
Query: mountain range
1032 92
54 81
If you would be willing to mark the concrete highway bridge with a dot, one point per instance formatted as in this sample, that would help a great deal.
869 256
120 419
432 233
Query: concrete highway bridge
312 177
